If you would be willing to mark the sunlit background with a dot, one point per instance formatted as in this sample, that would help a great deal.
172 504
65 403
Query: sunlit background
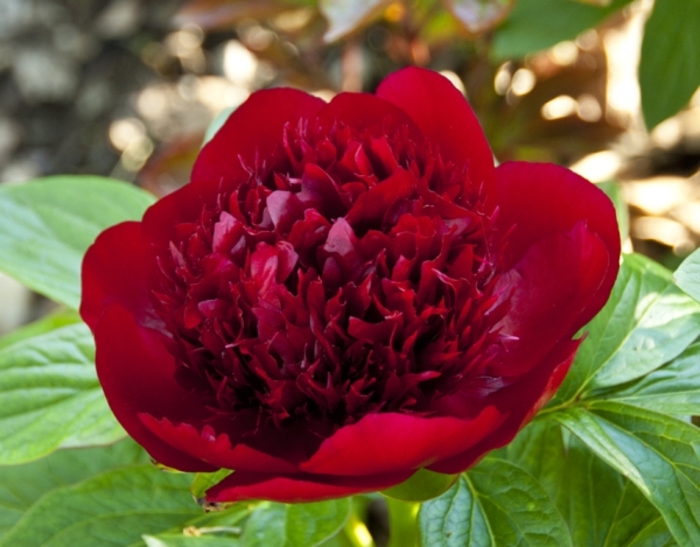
129 88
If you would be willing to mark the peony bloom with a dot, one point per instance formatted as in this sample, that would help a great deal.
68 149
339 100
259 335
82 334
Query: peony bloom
346 293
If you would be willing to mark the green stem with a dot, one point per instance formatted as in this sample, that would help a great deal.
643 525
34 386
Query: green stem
403 528
356 533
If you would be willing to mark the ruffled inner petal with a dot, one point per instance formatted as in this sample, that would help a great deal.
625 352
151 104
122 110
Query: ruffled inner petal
252 134
444 117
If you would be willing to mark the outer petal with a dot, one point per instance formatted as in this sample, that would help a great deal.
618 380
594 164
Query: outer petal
364 111
536 200
253 133
521 401
444 117
548 291
183 205
113 271
137 375
301 488
215 449
386 442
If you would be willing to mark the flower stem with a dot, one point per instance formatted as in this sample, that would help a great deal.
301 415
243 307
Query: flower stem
357 534
403 528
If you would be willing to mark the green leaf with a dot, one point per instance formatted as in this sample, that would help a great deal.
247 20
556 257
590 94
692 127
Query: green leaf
669 68
687 276
112 509
526 30
42 326
50 397
422 485
345 16
495 504
671 389
658 453
204 481
600 506
23 485
211 528
220 527
266 526
310 524
647 322
179 540
299 525
46 225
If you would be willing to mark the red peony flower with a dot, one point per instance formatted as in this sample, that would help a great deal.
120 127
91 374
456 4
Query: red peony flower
346 293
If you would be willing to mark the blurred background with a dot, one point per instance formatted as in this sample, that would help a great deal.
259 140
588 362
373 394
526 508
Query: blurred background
129 88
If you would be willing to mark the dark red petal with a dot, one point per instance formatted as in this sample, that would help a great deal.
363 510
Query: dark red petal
215 449
541 199
548 291
184 205
364 111
520 401
444 117
113 270
136 373
387 442
242 486
254 133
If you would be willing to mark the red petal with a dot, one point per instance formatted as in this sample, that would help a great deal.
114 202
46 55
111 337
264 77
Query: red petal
541 199
364 111
445 118
184 205
373 206
254 133
113 270
549 289
215 449
387 442
137 375
242 486
520 401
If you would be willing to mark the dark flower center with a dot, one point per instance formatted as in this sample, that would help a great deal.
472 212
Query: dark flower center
353 274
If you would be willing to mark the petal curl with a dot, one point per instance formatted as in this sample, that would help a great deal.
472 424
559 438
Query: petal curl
137 376
536 200
444 117
386 442
300 488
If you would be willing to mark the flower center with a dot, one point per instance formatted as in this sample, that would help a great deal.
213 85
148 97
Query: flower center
355 274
